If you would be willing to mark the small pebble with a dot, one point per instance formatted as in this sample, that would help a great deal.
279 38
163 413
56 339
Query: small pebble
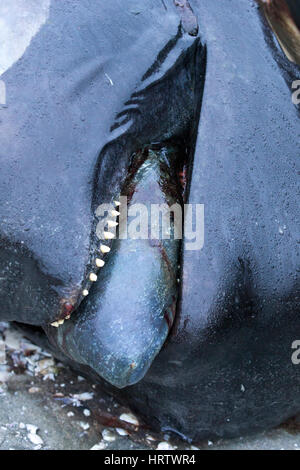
83 396
34 390
165 446
32 428
122 432
108 435
84 426
129 418
35 439
100 446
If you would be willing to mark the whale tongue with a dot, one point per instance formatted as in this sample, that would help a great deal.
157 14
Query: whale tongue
123 323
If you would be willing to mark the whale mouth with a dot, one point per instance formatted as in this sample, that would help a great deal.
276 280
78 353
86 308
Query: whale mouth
128 300
168 162
119 327
160 168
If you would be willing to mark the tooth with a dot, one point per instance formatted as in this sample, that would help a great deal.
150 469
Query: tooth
85 292
109 235
93 277
99 263
117 203
61 322
104 249
111 223
115 213
55 324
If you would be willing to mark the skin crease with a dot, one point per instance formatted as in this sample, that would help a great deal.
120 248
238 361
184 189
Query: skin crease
74 118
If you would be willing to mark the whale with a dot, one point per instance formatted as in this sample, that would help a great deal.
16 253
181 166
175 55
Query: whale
111 109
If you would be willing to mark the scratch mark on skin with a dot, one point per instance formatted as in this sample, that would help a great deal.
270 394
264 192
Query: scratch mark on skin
165 6
109 79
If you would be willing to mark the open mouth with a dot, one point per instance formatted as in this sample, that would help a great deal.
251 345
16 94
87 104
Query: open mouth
128 300
157 181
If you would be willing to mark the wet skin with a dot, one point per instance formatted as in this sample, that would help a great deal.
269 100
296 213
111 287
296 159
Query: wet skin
97 86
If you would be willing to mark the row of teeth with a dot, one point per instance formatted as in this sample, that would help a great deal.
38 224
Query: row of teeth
57 323
98 262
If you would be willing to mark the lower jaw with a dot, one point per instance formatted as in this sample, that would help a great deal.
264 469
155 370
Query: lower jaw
120 327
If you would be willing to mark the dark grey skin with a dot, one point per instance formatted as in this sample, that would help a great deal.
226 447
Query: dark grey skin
99 82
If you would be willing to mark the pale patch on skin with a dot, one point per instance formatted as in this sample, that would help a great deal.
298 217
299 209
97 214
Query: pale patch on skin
20 21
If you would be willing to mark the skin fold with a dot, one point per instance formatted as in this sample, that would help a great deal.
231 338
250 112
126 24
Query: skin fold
206 85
